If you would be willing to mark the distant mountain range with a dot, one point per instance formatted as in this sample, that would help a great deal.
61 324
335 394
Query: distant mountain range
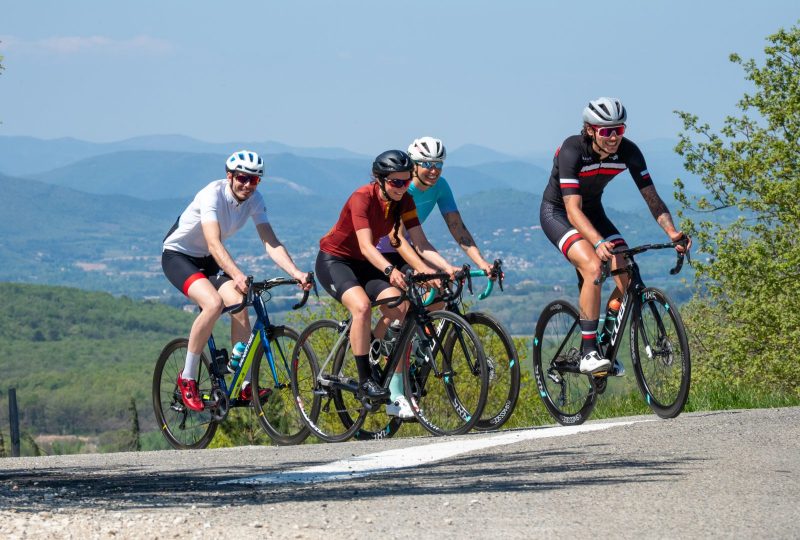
93 215
160 167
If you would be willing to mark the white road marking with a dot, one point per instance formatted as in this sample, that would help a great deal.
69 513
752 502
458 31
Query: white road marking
404 458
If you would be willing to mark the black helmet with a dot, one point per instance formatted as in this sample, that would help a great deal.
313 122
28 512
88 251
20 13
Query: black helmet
392 161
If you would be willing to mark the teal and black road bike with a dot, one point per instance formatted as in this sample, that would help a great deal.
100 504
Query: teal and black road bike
658 343
501 354
267 356
445 376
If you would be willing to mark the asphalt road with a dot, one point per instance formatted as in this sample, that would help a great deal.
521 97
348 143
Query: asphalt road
719 474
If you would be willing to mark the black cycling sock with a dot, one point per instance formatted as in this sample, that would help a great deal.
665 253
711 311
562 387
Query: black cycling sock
589 335
364 367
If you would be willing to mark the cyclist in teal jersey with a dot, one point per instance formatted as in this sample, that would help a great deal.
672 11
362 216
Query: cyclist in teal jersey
429 189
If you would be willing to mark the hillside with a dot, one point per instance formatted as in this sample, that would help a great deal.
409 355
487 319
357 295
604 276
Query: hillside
76 358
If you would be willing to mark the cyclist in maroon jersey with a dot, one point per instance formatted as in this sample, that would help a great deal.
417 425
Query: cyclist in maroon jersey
355 273
572 211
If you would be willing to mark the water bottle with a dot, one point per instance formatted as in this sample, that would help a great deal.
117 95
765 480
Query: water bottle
389 340
383 347
236 356
610 320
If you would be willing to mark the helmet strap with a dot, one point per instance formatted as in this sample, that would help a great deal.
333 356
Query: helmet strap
382 185
418 177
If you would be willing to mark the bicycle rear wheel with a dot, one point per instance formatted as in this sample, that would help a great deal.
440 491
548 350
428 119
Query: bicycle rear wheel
330 412
373 425
660 353
503 365
566 393
445 376
182 427
276 412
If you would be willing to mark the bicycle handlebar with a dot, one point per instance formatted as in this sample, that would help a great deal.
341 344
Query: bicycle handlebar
257 287
415 297
496 273
605 267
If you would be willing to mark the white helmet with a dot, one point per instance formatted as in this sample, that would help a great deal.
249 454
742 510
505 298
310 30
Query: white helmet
427 149
245 161
605 111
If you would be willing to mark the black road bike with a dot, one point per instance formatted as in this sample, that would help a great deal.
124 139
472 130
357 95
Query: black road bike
445 376
658 341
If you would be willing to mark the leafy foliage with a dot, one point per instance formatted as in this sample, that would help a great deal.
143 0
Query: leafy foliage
745 320
77 358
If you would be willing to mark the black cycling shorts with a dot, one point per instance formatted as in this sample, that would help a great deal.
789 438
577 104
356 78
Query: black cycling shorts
182 270
563 235
337 275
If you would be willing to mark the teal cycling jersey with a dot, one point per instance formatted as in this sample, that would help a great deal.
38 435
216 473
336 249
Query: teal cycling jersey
438 194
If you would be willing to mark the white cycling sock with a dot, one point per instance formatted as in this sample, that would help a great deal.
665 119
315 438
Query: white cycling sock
192 366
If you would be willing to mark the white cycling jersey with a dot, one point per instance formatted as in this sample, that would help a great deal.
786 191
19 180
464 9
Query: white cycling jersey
215 202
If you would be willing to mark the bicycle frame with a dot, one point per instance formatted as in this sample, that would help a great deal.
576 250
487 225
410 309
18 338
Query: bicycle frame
259 335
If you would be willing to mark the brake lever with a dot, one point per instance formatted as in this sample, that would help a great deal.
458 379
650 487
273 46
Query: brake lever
498 272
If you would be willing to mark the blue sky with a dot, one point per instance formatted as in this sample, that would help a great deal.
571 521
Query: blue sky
370 75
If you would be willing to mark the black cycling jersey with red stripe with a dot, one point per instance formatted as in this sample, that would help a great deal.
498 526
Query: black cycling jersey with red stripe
579 170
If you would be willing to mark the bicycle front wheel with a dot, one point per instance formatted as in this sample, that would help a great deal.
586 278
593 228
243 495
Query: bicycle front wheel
276 411
445 376
660 353
566 393
503 366
321 379
182 427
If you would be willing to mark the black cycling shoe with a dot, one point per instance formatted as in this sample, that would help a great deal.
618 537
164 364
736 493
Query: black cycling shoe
371 390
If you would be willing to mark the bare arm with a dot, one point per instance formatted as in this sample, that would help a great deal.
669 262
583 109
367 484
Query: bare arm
366 244
465 240
408 253
213 238
574 206
661 214
659 210
278 252
428 252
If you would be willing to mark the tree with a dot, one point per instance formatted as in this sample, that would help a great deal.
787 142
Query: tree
745 318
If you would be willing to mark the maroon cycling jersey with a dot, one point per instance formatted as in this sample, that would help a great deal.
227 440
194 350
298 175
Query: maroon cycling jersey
578 170
366 209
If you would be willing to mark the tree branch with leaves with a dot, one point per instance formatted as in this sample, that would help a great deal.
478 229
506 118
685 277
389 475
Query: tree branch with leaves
746 313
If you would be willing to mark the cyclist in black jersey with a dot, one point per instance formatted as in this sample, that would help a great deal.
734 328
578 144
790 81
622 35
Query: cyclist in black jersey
573 218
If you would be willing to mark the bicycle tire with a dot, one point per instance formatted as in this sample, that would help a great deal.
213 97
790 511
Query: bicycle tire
182 427
567 394
449 382
373 424
277 414
658 331
322 407
504 372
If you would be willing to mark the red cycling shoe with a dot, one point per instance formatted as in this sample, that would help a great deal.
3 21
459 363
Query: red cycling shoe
189 393
247 393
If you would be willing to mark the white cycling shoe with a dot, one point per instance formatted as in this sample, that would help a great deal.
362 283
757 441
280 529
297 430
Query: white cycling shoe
400 408
592 362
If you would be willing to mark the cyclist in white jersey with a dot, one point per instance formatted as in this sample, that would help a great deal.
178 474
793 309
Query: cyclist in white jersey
196 262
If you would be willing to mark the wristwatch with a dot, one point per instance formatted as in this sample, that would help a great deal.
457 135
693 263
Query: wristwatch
388 270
